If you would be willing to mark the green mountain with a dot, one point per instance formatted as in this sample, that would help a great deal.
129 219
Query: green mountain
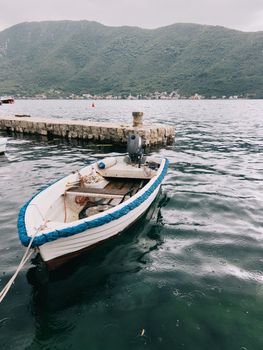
88 57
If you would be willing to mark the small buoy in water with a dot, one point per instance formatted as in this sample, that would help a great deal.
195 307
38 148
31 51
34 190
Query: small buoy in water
93 105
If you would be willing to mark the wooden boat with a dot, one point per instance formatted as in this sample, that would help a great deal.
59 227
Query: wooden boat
3 142
89 206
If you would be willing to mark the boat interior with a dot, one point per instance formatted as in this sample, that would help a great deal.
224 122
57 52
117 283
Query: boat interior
95 193
93 200
84 200
94 189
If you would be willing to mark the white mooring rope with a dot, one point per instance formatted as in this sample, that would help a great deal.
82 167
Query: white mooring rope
25 258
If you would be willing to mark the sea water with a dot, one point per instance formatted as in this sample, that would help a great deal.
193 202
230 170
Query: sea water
188 275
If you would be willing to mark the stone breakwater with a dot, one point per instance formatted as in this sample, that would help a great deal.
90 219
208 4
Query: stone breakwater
155 134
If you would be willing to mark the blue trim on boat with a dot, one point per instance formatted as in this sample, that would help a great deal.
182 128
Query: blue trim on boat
73 230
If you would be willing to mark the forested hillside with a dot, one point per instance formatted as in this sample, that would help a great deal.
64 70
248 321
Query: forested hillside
87 57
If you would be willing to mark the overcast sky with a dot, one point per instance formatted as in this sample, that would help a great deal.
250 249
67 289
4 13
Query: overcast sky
245 15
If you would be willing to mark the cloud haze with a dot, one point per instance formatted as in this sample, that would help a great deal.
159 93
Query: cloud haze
239 14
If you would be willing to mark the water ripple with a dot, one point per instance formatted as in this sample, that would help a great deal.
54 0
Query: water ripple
186 276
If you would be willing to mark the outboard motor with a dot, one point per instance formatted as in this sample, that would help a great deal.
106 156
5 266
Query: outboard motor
134 148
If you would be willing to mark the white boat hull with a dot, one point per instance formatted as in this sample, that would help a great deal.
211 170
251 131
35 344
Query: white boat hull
43 219
90 237
3 143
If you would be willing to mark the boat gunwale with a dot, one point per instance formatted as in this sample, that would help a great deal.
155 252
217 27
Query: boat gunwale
3 141
86 223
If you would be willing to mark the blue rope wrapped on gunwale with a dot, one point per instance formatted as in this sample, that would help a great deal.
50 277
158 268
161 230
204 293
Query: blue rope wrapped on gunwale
73 230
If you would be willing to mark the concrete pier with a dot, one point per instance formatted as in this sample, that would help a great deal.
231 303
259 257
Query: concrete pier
154 134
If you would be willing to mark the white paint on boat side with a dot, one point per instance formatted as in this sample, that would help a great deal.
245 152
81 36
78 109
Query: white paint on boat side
40 205
95 235
39 209
3 142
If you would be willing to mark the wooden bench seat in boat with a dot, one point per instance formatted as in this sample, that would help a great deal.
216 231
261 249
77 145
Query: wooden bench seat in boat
110 191
98 192
114 189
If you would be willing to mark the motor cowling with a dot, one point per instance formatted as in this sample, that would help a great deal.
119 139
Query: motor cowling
134 148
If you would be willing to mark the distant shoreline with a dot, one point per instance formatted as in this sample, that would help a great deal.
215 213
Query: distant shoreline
135 99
